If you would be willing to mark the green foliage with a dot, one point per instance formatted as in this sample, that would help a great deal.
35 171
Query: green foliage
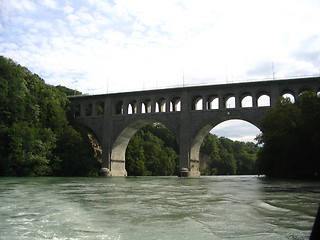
291 139
151 152
34 127
74 151
68 91
135 159
227 157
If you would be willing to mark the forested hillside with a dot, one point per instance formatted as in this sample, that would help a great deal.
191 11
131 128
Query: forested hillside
222 156
36 138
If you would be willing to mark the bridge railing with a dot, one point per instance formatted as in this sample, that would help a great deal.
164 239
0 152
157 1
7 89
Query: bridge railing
201 84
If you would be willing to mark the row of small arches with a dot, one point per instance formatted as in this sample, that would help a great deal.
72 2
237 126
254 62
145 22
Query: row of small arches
198 103
174 105
89 109
148 106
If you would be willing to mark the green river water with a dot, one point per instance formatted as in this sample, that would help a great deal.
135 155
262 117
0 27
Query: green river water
226 207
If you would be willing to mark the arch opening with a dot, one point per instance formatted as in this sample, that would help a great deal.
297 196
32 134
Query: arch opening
146 106
213 103
100 109
197 103
247 102
145 147
83 159
226 147
230 102
119 108
175 105
132 107
289 96
160 105
264 101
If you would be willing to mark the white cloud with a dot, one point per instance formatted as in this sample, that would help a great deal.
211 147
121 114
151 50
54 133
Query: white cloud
155 43
20 5
49 3
68 9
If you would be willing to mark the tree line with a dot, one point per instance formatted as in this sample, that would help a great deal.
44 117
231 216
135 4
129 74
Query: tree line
36 134
291 138
154 151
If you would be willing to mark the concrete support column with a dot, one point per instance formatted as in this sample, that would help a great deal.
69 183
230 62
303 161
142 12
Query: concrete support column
222 104
139 107
106 140
274 95
94 109
237 101
254 101
110 167
167 105
184 137
187 166
204 103
125 107
153 105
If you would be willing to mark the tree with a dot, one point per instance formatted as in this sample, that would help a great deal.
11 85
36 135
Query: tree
135 159
75 153
151 152
34 129
290 138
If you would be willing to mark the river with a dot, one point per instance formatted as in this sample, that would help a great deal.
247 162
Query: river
224 207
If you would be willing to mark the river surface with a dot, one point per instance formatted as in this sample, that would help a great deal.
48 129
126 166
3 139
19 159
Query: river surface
230 207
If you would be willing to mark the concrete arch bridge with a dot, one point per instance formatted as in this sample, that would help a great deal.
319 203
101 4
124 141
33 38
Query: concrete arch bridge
189 112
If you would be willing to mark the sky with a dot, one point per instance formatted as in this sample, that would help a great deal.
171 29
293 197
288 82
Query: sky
104 46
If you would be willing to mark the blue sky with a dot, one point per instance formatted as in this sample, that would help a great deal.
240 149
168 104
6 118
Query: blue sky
99 46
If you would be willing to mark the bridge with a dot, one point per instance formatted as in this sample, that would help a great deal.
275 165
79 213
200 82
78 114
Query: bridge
188 112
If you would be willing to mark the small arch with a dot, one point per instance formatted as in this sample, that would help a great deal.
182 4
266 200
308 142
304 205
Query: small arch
143 108
100 109
304 89
197 103
264 100
247 101
230 101
88 111
175 104
161 105
132 107
119 108
146 106
289 96
213 102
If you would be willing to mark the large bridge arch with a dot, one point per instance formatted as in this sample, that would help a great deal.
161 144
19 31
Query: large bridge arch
122 139
94 125
202 130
